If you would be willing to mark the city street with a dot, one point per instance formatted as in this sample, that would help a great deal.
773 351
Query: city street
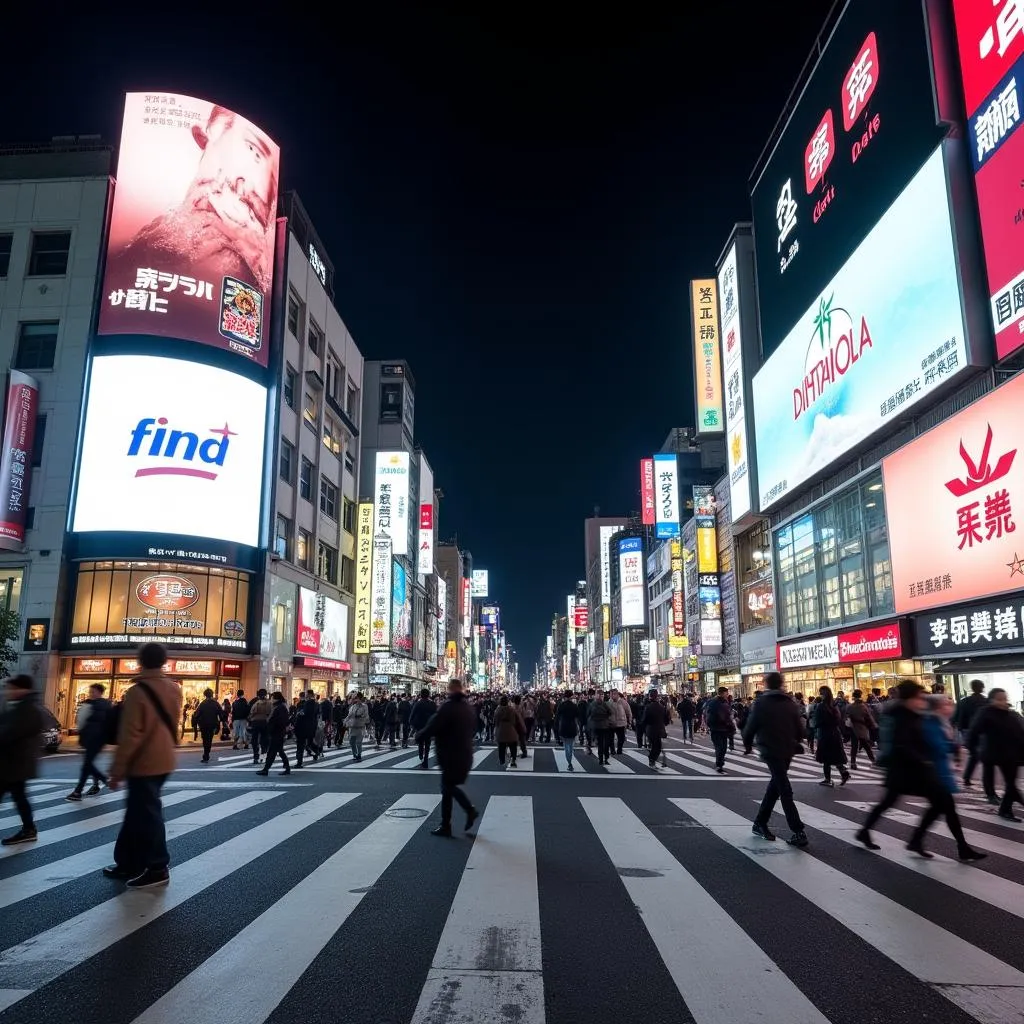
593 897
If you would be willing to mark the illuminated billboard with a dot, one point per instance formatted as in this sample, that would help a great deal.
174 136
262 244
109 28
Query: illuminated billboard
632 585
391 500
16 459
647 491
380 596
481 583
707 357
322 626
364 577
171 447
666 496
884 333
401 610
190 252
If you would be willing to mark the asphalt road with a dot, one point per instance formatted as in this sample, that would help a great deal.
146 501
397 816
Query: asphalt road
590 897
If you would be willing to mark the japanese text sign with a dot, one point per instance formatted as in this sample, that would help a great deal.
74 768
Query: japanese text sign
16 458
190 252
322 627
707 356
666 495
364 577
952 499
380 596
647 491
990 38
996 625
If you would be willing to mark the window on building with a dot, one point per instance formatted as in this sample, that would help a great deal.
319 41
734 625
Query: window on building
49 256
332 435
286 461
283 537
348 574
315 337
348 515
352 402
37 345
5 254
38 440
328 498
327 562
335 377
10 587
303 549
828 553
294 314
876 534
311 410
30 517
306 480
289 386
853 584
806 573
350 462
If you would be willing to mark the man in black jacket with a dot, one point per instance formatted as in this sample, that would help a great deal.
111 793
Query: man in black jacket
774 723
963 718
20 725
452 730
422 711
92 734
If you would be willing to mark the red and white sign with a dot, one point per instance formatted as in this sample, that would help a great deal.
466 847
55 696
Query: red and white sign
327 663
16 461
166 592
581 618
647 491
425 551
322 628
872 643
990 37
860 81
819 152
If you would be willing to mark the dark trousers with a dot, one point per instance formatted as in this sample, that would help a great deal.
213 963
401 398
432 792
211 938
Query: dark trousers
208 735
939 803
604 743
303 745
450 791
503 748
89 769
423 746
654 747
720 741
687 724
405 734
522 745
17 790
260 739
1011 794
529 729
972 763
856 745
142 841
275 746
779 788
620 738
641 736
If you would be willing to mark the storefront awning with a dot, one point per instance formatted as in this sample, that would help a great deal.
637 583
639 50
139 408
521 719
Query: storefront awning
1005 661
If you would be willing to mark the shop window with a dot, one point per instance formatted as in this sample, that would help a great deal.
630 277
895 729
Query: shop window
786 569
876 534
49 256
828 557
850 544
10 588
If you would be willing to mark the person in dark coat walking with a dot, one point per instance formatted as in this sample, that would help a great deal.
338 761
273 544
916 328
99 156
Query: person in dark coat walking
655 720
776 725
966 711
207 717
997 737
831 752
422 711
92 734
20 726
452 730
277 728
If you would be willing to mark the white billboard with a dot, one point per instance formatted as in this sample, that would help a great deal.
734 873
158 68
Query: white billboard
886 331
632 589
605 534
380 596
666 496
425 533
322 627
391 500
481 583
735 412
171 446
570 623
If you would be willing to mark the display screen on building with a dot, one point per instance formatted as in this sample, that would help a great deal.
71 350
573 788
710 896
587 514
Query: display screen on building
171 448
885 332
124 604
322 626
481 583
401 610
191 245
864 124
391 500
709 585
666 495
632 584
364 578
707 357
604 536
647 504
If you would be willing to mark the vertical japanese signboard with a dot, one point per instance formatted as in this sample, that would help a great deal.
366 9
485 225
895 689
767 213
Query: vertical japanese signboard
466 603
666 496
991 42
16 460
605 534
677 635
442 613
647 503
364 577
709 588
380 596
707 357
425 554
391 499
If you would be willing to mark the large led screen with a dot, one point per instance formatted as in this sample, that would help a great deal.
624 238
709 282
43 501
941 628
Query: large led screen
884 332
171 447
191 246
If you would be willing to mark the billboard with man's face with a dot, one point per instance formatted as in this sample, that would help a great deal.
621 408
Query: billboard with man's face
190 252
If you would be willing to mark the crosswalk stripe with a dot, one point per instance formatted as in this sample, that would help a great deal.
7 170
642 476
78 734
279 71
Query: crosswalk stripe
371 758
39 880
84 825
735 764
51 953
35 786
413 761
616 767
982 885
940 959
36 798
983 840
290 934
637 755
989 817
700 769
64 808
695 937
489 953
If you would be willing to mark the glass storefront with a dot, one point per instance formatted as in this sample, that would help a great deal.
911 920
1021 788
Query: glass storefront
832 562
867 676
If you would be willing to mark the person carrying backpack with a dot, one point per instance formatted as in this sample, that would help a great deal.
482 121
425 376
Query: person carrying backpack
259 718
207 718
92 727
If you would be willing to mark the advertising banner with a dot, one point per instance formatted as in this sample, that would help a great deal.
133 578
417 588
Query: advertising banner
380 596
883 335
677 636
871 643
466 601
489 616
707 357
183 456
864 124
425 554
990 37
647 491
364 577
191 246
735 401
581 617
322 626
632 586
480 584
16 460
666 496
970 629
391 500
401 610
442 613
570 623
605 534
952 498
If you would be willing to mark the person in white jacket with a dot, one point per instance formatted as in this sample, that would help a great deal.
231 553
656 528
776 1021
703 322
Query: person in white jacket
622 718
356 722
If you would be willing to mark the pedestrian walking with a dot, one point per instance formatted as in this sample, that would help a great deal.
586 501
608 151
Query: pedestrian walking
259 723
239 721
452 730
356 722
718 715
422 711
20 726
565 726
147 739
830 753
277 730
506 730
208 718
655 723
776 726
966 711
601 726
997 737
91 724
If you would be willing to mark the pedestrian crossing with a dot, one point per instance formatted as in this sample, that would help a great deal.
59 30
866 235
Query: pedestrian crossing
681 760
294 891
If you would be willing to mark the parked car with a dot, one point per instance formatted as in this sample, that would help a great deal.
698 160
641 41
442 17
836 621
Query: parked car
52 734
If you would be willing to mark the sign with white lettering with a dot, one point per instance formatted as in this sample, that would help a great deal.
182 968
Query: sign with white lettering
969 629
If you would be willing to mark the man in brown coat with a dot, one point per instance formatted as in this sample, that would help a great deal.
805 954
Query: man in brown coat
146 740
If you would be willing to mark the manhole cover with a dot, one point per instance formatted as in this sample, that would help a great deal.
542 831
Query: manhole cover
406 812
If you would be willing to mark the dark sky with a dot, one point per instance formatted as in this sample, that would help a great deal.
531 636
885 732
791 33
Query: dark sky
514 202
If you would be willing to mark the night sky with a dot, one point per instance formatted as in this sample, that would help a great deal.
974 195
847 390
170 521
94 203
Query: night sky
512 202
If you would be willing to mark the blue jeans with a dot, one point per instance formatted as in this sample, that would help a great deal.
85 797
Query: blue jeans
355 742
238 730
568 742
